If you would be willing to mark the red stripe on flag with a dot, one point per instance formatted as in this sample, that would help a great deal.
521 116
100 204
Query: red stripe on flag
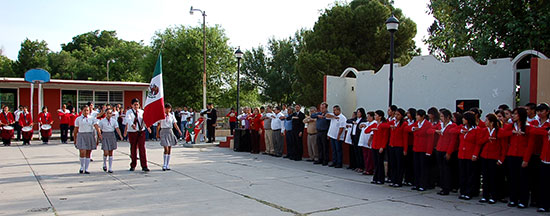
153 112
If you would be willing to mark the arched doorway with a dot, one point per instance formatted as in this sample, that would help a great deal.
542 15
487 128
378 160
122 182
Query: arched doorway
522 68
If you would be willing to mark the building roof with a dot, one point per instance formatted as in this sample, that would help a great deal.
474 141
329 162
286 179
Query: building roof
78 82
8 82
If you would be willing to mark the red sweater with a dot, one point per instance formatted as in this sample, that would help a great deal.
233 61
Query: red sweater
545 148
519 144
72 118
470 143
381 136
423 137
448 141
256 122
64 117
536 140
25 119
45 118
493 148
399 136
6 118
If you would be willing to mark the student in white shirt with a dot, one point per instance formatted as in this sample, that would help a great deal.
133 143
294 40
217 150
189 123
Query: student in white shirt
166 134
277 127
336 134
135 129
84 138
108 126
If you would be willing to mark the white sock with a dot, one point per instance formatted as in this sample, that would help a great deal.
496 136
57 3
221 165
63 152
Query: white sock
164 164
167 161
110 163
104 161
82 161
86 164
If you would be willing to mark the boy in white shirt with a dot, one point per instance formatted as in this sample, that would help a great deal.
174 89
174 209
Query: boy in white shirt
336 134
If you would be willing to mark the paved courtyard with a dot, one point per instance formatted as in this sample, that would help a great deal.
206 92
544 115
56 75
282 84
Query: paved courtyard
43 180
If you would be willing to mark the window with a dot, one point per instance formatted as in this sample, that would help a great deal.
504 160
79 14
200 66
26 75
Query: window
99 97
84 97
68 96
8 97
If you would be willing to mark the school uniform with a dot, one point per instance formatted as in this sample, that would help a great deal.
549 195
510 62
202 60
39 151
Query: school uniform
167 136
422 147
277 126
6 119
297 129
45 118
108 127
85 139
348 141
255 128
380 138
447 144
72 118
355 136
64 118
518 152
25 119
367 147
136 135
468 148
544 192
535 162
409 161
493 150
398 145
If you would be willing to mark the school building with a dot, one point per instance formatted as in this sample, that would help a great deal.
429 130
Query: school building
17 91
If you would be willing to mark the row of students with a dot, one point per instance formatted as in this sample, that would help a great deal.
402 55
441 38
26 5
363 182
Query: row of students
7 125
510 149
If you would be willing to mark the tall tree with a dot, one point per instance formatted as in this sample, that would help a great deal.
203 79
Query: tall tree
33 54
350 35
6 66
488 29
182 54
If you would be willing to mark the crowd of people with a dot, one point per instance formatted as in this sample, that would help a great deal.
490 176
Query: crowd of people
505 157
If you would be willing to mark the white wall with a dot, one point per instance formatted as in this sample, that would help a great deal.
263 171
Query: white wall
427 82
341 91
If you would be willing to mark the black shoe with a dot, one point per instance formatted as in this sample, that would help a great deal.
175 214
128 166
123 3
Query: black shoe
397 185
492 201
110 171
461 197
145 169
512 204
542 210
91 160
443 193
521 206
325 164
466 197
132 169
373 182
86 172
163 169
168 169
483 200
379 182
80 171
331 165
317 162
338 166
286 156
421 189
104 169
391 184
414 188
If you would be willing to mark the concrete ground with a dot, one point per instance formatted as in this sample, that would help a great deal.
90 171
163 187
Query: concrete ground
44 180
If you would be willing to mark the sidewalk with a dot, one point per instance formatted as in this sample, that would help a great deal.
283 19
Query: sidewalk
44 180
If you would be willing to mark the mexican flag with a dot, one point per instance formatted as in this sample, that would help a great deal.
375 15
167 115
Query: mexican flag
154 104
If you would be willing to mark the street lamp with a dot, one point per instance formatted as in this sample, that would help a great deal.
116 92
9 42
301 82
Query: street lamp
203 13
109 61
392 24
238 55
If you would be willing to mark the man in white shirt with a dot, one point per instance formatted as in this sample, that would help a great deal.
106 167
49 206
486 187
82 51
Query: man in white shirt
184 114
277 129
135 129
18 127
336 134
268 132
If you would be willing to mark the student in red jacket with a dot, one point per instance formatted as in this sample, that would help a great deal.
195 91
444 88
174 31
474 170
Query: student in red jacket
398 148
72 118
422 148
518 156
492 155
409 162
544 130
6 120
64 118
446 146
468 153
25 119
380 138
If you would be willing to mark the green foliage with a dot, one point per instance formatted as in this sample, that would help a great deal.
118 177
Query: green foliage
182 52
349 35
6 66
33 54
488 29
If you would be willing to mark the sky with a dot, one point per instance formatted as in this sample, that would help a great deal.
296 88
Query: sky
247 23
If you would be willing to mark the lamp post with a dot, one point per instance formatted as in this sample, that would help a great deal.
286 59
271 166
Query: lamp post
203 13
392 24
109 61
238 55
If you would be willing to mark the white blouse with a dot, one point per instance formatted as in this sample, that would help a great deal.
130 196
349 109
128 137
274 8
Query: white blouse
108 125
168 121
85 124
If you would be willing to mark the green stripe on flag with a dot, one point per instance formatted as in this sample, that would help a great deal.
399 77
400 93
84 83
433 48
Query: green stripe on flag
158 66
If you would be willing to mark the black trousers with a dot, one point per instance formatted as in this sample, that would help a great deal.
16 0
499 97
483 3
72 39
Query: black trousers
421 170
352 160
64 128
232 126
18 130
544 198
445 171
397 164
502 181
323 147
409 166
534 177
298 144
289 144
359 161
519 180
71 131
467 177
455 175
379 170
489 172
211 133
